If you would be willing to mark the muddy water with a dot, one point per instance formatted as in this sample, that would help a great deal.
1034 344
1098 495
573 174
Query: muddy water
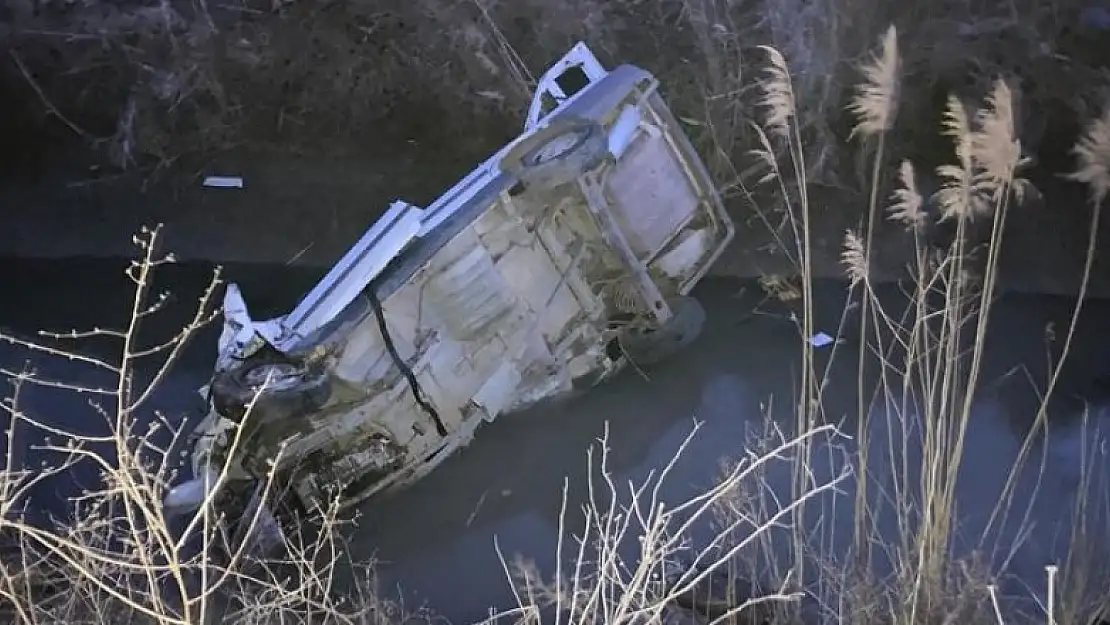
308 212
435 541
438 538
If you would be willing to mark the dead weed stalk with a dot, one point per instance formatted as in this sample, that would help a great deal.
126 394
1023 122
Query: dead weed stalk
632 559
931 356
121 556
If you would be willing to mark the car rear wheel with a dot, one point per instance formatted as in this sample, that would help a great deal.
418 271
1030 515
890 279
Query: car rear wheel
557 154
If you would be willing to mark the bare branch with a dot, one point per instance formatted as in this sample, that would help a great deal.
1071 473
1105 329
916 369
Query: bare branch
50 108
44 349
75 334
58 384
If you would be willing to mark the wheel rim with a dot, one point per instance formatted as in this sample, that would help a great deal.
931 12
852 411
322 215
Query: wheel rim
558 147
277 376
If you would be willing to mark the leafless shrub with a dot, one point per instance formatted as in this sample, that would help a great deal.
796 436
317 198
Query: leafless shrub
633 560
120 556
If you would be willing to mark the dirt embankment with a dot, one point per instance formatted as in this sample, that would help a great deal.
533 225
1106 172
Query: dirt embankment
331 109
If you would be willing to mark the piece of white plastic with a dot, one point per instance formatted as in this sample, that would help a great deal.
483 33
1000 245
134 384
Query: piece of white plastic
821 340
224 182
238 329
190 495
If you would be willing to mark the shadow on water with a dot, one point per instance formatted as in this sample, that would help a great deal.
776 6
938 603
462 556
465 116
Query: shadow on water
436 539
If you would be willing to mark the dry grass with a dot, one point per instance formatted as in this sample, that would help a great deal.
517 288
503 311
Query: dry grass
930 374
156 81
119 555
632 559
931 357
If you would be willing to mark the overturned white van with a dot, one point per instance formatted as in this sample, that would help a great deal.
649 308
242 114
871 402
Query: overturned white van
563 257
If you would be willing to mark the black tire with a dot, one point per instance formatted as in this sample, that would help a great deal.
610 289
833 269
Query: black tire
654 345
293 390
558 153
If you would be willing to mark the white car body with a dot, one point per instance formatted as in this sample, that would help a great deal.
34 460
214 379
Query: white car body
495 296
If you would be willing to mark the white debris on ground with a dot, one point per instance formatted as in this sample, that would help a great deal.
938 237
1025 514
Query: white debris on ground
224 182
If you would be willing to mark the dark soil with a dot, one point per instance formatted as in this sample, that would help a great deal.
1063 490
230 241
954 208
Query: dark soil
331 109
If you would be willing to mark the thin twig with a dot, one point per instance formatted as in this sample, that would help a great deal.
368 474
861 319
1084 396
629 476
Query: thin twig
50 108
